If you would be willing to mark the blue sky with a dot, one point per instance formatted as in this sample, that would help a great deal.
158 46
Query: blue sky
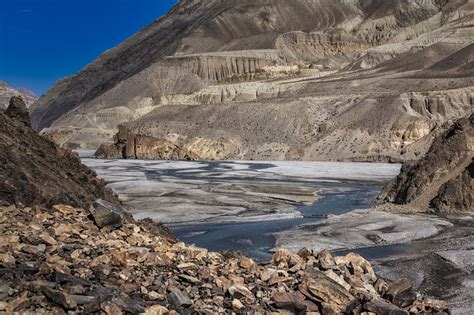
42 41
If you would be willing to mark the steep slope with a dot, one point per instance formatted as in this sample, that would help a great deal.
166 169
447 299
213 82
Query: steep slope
252 56
7 92
35 172
444 177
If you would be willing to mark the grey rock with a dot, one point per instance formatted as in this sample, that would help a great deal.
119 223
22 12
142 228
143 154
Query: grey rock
179 299
106 214
60 298
382 307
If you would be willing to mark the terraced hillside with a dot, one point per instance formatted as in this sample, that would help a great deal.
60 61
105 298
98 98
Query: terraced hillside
302 79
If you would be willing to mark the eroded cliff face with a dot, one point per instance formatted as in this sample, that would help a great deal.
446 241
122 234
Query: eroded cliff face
443 178
339 63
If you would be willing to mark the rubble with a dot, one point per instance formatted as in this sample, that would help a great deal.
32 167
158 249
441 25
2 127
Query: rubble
60 260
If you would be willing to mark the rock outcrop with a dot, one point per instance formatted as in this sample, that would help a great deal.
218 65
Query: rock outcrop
7 92
36 172
443 178
59 260
300 80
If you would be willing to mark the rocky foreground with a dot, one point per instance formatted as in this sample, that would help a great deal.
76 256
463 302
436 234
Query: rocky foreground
61 260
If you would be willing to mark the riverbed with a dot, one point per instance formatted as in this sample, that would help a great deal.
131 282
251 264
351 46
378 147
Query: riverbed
241 205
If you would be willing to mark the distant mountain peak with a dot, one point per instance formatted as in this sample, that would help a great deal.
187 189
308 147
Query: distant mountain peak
7 92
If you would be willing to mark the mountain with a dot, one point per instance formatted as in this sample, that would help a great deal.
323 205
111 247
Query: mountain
444 178
6 92
303 79
36 172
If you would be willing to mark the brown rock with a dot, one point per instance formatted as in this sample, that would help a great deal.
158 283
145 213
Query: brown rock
398 287
247 263
290 301
241 292
326 260
60 298
382 307
237 305
156 310
323 289
20 303
110 308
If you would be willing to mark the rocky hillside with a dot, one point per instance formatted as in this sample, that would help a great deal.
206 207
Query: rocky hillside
6 92
303 79
36 172
444 177
60 261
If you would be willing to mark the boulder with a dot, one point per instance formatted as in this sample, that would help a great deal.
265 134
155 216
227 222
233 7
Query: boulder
106 214
381 307
397 288
60 298
178 299
323 289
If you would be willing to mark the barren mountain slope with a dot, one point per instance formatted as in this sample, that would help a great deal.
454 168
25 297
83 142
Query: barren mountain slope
444 178
36 172
304 79
7 92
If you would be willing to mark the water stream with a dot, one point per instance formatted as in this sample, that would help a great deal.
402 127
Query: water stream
145 188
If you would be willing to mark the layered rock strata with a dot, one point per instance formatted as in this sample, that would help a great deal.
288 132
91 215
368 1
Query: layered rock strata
299 80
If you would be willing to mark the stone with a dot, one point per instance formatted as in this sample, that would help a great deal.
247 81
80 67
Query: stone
106 214
178 299
240 291
237 305
247 263
382 307
281 256
381 286
83 299
405 298
397 288
19 304
156 310
110 308
340 280
60 298
3 306
326 260
290 301
304 253
7 259
324 289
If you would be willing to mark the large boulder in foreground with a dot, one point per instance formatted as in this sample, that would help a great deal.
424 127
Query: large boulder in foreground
34 171
443 179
